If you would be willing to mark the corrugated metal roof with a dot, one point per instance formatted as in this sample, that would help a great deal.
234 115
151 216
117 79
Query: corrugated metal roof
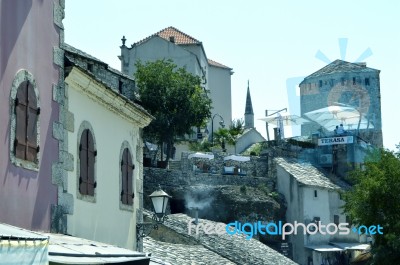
9 231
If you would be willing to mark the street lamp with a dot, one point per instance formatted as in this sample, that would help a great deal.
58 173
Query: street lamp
159 199
221 122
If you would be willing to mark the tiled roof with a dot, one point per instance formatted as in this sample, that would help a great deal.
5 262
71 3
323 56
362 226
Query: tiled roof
70 49
227 249
169 253
217 64
338 66
309 175
180 38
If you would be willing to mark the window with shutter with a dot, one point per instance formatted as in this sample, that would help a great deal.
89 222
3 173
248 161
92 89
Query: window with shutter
87 154
27 116
127 167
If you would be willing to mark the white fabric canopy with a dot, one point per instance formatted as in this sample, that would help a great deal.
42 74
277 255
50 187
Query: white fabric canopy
201 155
237 158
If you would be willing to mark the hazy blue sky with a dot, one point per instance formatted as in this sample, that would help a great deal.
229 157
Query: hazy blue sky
267 42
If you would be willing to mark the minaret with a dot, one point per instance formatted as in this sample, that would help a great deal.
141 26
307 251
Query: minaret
248 113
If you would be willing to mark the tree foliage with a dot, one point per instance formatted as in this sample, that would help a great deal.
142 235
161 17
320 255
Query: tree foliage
229 135
375 199
174 97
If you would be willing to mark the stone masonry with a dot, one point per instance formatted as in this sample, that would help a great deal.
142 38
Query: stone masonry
222 249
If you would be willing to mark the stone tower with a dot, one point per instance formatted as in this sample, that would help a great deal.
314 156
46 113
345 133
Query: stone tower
248 113
346 84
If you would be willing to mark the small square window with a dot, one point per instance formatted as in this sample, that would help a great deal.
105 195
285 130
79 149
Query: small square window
120 84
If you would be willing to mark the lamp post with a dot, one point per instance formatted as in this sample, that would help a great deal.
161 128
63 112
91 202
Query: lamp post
221 122
159 199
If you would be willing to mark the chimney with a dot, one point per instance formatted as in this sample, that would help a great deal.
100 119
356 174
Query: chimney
172 39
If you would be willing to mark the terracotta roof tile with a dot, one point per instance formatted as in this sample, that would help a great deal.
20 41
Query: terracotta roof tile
179 37
217 64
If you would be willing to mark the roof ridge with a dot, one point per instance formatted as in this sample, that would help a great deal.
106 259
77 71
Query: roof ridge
217 64
187 35
334 67
164 30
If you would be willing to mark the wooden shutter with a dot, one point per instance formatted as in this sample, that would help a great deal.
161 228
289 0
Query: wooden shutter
32 119
21 103
129 180
83 149
124 176
91 159
27 114
127 167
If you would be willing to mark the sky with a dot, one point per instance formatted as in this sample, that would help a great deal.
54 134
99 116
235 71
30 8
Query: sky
273 44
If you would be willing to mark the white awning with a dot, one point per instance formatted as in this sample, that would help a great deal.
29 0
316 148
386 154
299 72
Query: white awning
237 158
324 248
351 246
201 155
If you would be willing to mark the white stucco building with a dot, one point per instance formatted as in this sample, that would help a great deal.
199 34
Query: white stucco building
311 196
188 52
105 140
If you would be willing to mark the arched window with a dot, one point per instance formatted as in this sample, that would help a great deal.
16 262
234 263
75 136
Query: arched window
87 154
127 167
26 119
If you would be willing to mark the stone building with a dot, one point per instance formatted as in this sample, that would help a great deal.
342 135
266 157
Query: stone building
313 195
188 52
348 84
30 78
104 138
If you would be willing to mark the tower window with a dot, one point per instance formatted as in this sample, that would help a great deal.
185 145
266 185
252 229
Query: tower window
367 81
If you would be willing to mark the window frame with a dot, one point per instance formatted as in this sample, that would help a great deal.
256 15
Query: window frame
20 78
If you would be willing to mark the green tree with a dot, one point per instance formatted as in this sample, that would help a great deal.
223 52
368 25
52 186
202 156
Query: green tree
375 200
174 97
230 135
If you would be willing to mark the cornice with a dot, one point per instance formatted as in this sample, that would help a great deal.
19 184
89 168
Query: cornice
108 98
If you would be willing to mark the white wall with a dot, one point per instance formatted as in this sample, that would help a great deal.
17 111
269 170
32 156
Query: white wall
158 48
251 137
103 220
219 81
288 186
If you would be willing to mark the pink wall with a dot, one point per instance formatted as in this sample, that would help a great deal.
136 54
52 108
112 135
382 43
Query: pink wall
27 38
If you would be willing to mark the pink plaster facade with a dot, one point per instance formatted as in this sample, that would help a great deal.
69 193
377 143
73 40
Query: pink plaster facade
28 37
